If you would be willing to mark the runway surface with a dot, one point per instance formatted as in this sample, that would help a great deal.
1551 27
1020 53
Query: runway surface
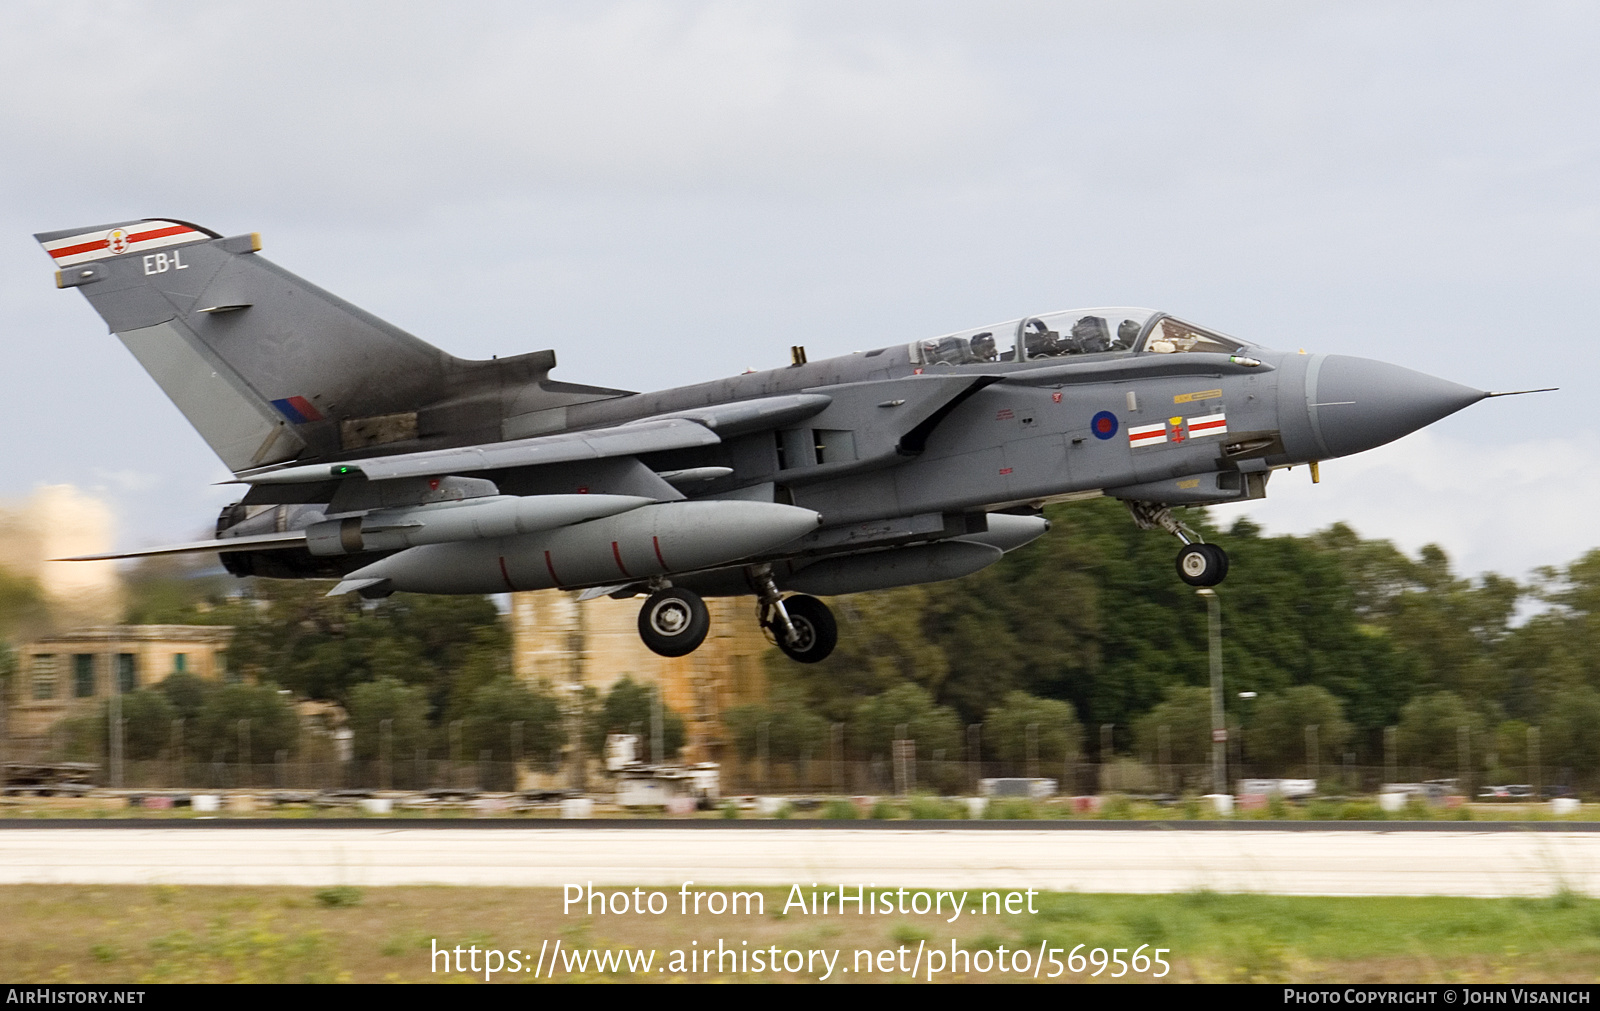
1436 862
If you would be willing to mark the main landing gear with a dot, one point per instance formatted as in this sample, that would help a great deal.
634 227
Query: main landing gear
1199 563
801 626
815 630
674 621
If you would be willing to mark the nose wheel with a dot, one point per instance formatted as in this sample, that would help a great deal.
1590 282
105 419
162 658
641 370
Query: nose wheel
1202 564
674 622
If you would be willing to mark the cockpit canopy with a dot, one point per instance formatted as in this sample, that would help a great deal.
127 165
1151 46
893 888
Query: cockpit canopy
1073 332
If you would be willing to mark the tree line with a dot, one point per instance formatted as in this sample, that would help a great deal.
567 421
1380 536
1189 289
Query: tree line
1084 637
413 674
1350 636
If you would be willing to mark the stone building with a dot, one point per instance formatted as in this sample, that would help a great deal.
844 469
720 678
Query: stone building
66 674
596 643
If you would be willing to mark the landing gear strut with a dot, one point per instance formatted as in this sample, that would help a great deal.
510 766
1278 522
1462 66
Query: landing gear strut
1199 563
674 622
802 627
816 631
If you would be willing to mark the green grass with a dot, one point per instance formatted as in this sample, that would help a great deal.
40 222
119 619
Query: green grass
839 809
339 897
1283 938
1010 808
74 933
928 808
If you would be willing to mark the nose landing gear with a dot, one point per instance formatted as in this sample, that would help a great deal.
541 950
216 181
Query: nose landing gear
1199 563
1202 564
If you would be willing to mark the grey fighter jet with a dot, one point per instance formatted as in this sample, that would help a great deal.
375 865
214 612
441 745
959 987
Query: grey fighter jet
378 460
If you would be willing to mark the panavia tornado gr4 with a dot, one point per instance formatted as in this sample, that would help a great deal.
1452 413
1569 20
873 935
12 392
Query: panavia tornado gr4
378 460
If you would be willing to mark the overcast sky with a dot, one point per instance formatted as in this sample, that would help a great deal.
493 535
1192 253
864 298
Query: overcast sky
672 192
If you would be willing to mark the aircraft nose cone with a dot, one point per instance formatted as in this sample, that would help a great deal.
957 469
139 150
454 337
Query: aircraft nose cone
1357 404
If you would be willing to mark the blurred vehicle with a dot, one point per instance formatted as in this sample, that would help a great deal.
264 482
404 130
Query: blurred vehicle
1522 791
643 785
1289 789
49 779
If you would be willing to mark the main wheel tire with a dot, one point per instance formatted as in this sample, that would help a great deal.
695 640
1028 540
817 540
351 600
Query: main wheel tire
674 622
1202 564
814 624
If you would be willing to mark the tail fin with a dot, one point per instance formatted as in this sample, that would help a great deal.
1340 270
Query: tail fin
265 365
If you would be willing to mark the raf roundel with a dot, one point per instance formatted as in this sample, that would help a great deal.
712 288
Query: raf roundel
1103 425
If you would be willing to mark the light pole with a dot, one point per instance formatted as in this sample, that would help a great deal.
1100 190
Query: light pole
1219 729
577 760
1245 712
114 725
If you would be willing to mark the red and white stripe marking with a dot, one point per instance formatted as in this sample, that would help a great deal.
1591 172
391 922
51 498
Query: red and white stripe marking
136 238
1147 435
1210 424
